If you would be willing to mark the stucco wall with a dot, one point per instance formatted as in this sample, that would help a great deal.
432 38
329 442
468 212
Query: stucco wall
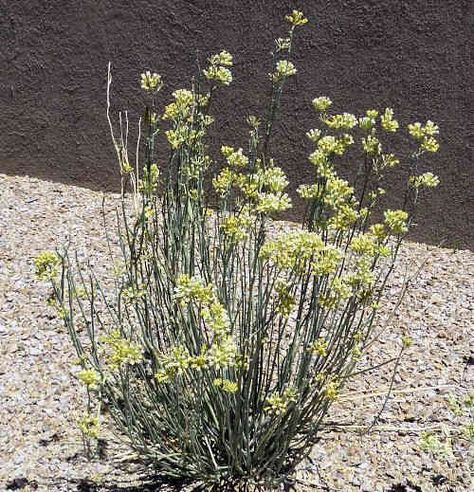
415 56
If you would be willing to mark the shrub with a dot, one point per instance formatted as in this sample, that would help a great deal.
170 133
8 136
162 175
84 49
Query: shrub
228 336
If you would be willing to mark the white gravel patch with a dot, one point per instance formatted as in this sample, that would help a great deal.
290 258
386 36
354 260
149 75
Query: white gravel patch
40 446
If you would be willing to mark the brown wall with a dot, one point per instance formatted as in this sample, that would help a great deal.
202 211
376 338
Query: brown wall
413 55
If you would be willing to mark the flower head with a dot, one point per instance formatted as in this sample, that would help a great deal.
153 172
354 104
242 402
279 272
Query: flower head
319 347
89 425
226 385
217 70
425 135
296 18
285 301
321 103
47 265
371 145
425 180
331 390
224 58
283 70
430 144
235 158
283 44
396 221
387 121
151 82
269 203
341 121
89 377
277 404
193 289
120 351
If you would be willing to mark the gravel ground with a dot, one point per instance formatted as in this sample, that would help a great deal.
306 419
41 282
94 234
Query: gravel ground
40 446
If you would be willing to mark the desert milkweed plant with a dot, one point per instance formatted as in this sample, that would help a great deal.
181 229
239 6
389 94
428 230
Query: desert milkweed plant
227 336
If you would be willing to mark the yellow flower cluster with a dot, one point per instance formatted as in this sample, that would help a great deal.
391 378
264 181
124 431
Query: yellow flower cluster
223 181
314 135
215 316
330 144
389 160
283 70
217 70
319 347
283 44
369 244
285 301
151 82
223 58
344 217
183 135
368 121
371 145
89 377
396 221
149 182
296 18
327 261
337 292
321 103
226 385
192 289
235 226
180 108
222 354
173 363
419 131
132 294
336 191
363 277
120 351
89 425
264 186
272 178
235 158
425 180
425 134
277 404
344 121
269 203
309 192
177 361
292 248
219 74
378 230
47 265
331 390
430 144
387 121
325 147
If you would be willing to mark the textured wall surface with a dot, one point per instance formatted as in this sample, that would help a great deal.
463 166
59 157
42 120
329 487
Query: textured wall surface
416 56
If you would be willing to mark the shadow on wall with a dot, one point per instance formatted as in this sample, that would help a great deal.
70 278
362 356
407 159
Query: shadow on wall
411 57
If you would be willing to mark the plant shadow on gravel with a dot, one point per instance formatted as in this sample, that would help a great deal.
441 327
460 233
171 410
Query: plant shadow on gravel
85 485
